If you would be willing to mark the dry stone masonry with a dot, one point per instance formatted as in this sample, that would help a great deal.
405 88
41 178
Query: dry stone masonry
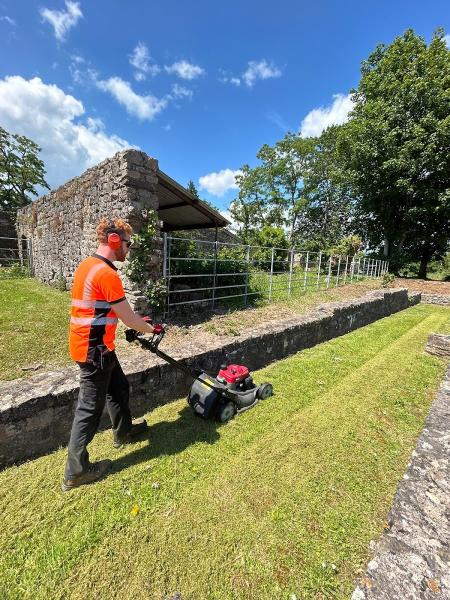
36 413
61 225
439 345
412 557
436 299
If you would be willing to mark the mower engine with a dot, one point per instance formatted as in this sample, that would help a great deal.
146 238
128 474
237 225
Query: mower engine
232 391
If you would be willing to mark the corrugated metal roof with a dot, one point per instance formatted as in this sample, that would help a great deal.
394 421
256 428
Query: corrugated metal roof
179 209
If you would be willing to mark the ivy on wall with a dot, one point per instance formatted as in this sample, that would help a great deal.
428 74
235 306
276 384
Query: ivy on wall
140 262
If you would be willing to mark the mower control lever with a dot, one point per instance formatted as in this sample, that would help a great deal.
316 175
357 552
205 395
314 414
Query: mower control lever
132 335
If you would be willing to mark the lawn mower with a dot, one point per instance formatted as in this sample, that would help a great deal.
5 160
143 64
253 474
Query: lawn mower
231 391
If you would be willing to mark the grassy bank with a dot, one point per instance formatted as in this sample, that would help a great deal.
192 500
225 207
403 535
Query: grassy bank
34 322
283 500
34 325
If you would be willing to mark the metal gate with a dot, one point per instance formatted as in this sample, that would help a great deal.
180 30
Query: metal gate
201 273
15 251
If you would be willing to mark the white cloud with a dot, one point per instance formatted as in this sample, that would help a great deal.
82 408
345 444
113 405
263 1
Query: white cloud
61 20
143 107
447 41
8 20
259 70
185 70
77 59
219 183
51 118
140 59
234 225
179 91
226 77
320 118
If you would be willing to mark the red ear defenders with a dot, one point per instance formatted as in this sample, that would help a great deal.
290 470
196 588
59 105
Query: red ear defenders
113 238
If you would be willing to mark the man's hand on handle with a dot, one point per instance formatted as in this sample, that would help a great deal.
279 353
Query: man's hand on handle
157 327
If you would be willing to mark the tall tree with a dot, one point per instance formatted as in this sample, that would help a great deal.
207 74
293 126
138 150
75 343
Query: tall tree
396 146
248 209
273 192
330 211
191 188
20 171
285 166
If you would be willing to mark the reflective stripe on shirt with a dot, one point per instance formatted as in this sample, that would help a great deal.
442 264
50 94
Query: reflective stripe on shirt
90 303
93 320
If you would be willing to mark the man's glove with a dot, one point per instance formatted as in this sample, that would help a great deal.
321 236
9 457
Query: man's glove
158 328
130 335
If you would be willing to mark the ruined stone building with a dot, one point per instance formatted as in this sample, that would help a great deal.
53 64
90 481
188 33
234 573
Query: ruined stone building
61 225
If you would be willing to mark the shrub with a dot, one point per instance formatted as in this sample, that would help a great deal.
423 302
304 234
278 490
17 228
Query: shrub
60 283
15 271
388 278
156 294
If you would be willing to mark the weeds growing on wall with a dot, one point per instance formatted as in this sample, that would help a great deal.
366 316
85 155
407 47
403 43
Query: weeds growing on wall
138 266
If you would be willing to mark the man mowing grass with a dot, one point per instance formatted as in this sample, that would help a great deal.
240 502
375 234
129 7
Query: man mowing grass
98 300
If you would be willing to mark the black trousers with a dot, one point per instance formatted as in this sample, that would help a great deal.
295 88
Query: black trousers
100 383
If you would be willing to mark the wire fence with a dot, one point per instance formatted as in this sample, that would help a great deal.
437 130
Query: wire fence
15 251
203 273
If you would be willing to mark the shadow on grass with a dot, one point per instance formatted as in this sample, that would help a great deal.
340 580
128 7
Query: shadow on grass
171 437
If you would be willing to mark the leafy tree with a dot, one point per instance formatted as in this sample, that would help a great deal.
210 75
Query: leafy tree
273 192
20 171
348 246
248 209
267 238
192 189
284 168
330 211
396 147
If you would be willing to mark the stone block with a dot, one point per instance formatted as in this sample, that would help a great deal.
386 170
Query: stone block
438 344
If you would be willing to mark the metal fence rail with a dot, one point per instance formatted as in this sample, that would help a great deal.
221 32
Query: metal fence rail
15 251
200 272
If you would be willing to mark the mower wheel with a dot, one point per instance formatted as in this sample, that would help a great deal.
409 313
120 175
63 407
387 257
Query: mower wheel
264 391
227 412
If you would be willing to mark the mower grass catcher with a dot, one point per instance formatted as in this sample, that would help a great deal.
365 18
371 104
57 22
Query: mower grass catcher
231 391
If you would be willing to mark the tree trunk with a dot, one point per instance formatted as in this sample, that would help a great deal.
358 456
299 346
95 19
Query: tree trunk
386 247
402 243
424 260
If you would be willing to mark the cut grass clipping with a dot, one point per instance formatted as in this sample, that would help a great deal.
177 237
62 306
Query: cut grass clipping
282 501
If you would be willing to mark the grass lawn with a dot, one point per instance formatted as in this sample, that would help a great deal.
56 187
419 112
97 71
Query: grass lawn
34 321
282 500
34 326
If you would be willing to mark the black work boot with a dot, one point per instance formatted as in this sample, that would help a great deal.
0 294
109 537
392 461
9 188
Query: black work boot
95 472
136 429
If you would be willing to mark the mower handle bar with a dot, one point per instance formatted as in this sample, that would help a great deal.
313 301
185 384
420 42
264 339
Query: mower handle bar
152 345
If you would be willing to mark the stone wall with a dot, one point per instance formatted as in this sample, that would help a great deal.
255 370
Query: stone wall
411 558
436 299
61 224
36 413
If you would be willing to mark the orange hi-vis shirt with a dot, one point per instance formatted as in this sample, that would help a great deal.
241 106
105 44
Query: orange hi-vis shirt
96 288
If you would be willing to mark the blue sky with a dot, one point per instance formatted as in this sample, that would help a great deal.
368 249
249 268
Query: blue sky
198 85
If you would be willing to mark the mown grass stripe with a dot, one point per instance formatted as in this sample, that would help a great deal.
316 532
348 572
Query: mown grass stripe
194 462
